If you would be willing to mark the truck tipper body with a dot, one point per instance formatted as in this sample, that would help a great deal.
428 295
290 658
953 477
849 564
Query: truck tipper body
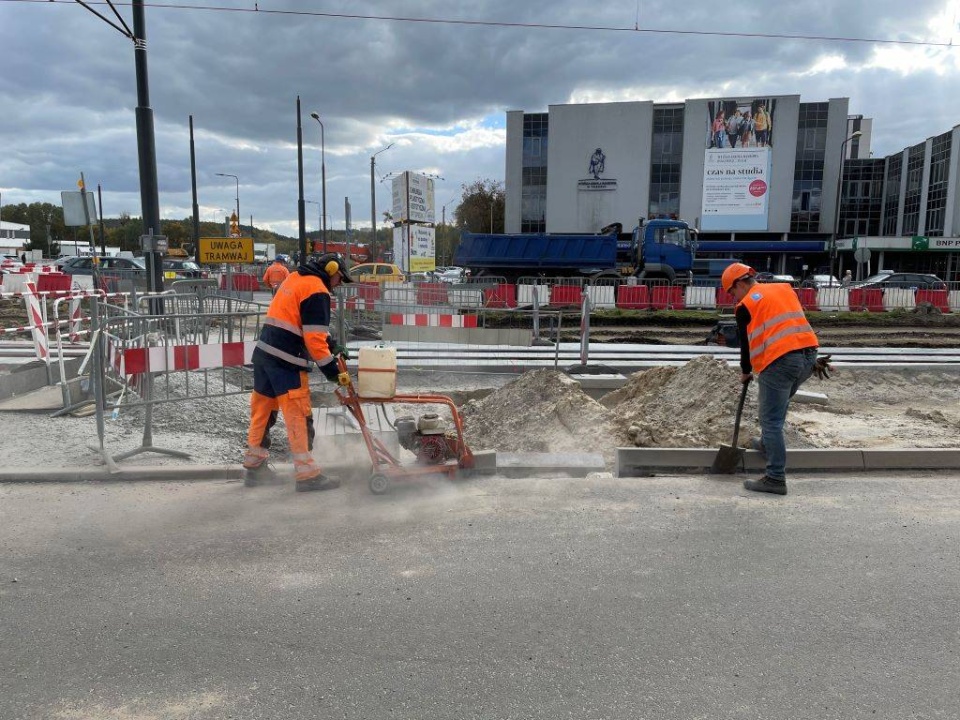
661 249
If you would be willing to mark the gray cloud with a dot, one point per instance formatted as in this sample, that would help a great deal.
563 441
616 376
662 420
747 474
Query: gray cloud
68 94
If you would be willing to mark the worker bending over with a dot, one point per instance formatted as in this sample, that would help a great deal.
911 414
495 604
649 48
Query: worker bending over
778 344
295 332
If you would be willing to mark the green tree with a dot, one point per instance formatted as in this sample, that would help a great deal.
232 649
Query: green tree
482 207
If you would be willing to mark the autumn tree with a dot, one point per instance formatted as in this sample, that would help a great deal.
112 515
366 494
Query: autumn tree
482 207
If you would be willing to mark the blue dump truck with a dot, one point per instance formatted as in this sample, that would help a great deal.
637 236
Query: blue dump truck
662 249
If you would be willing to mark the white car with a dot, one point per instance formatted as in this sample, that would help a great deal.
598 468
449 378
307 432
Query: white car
450 275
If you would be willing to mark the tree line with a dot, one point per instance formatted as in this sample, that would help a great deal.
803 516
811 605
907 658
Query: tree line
481 209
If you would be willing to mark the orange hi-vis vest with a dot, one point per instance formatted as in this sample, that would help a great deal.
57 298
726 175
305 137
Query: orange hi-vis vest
777 324
297 326
275 274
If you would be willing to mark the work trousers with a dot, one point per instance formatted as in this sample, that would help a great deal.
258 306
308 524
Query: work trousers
278 388
779 382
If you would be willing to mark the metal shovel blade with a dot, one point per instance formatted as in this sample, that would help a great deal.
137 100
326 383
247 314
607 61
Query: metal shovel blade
728 460
730 457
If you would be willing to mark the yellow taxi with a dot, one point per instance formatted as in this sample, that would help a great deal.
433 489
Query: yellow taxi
377 272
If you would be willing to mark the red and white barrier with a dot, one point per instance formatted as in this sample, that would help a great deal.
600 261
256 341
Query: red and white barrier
180 358
37 324
425 320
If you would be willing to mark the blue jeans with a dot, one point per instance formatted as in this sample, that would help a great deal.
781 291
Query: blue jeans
779 382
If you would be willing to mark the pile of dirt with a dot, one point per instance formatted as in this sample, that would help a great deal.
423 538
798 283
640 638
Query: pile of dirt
689 406
541 411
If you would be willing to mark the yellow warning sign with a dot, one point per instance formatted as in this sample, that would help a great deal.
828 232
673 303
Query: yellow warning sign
216 250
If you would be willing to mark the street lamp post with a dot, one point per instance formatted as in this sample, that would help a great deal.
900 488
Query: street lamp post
319 212
323 181
836 218
238 193
373 194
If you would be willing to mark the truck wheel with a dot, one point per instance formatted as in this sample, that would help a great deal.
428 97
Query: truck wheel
379 484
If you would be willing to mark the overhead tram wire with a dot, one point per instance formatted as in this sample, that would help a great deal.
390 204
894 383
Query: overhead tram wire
502 24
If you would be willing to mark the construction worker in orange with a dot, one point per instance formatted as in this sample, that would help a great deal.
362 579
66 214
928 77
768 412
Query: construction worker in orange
295 333
275 274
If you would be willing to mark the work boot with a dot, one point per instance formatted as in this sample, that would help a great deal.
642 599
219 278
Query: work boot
767 485
260 475
254 458
320 482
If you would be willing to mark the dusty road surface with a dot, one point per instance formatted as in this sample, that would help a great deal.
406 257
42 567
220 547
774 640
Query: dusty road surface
668 598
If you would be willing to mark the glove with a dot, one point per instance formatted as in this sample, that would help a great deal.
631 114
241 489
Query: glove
822 368
338 350
330 371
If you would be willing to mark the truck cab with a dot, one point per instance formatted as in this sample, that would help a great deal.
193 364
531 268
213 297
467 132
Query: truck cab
665 249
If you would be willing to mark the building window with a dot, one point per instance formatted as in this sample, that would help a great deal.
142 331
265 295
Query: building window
808 168
665 162
533 185
937 186
892 197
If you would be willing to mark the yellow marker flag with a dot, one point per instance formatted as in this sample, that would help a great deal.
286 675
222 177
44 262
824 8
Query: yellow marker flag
80 183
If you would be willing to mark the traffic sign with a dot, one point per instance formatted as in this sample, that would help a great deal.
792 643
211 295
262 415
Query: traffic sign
862 255
217 250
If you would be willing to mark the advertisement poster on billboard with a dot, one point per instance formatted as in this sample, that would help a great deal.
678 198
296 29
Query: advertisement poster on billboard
733 124
413 198
736 189
414 248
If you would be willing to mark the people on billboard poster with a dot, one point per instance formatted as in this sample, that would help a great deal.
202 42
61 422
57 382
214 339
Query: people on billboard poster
733 124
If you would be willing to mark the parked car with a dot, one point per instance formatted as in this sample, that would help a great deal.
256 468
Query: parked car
377 272
116 266
819 281
180 269
768 277
924 281
450 275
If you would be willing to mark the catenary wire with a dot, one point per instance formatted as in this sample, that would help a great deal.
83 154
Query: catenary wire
502 24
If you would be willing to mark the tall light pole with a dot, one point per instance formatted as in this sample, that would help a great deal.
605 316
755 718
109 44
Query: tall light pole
238 193
319 212
836 219
373 193
323 181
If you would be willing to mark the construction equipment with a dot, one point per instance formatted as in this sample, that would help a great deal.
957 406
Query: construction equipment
730 457
438 451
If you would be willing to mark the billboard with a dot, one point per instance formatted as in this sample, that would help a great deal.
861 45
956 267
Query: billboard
413 198
414 248
733 124
736 189
739 135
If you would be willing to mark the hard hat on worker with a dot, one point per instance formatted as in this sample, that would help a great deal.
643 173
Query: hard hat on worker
330 264
734 272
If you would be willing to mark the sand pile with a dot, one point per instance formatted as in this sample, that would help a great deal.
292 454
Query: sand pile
689 406
541 411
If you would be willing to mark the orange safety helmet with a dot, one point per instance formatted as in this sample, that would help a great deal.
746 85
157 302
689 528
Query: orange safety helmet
733 272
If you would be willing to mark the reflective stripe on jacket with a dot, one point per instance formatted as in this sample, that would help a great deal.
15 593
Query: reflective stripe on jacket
297 326
777 324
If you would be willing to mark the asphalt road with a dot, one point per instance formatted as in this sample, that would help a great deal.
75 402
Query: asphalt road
650 598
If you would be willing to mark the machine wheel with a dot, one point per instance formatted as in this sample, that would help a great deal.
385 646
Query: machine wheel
379 484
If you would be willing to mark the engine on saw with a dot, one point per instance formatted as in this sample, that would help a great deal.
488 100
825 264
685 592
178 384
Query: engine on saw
427 438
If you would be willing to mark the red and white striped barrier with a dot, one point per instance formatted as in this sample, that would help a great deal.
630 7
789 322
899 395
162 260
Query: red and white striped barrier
425 320
37 325
180 358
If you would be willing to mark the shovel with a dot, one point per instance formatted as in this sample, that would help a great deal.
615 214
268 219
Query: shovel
730 457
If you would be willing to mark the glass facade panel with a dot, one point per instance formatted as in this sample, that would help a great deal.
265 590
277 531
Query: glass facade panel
808 168
937 186
862 197
533 186
666 161
892 195
911 199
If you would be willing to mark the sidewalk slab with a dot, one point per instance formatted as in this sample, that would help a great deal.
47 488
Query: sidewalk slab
166 473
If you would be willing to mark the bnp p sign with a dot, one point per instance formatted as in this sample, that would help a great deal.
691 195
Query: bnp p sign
919 242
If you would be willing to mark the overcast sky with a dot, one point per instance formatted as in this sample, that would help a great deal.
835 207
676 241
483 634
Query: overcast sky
438 91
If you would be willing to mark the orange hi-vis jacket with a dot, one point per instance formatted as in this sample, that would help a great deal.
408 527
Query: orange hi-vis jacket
275 274
777 324
297 326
